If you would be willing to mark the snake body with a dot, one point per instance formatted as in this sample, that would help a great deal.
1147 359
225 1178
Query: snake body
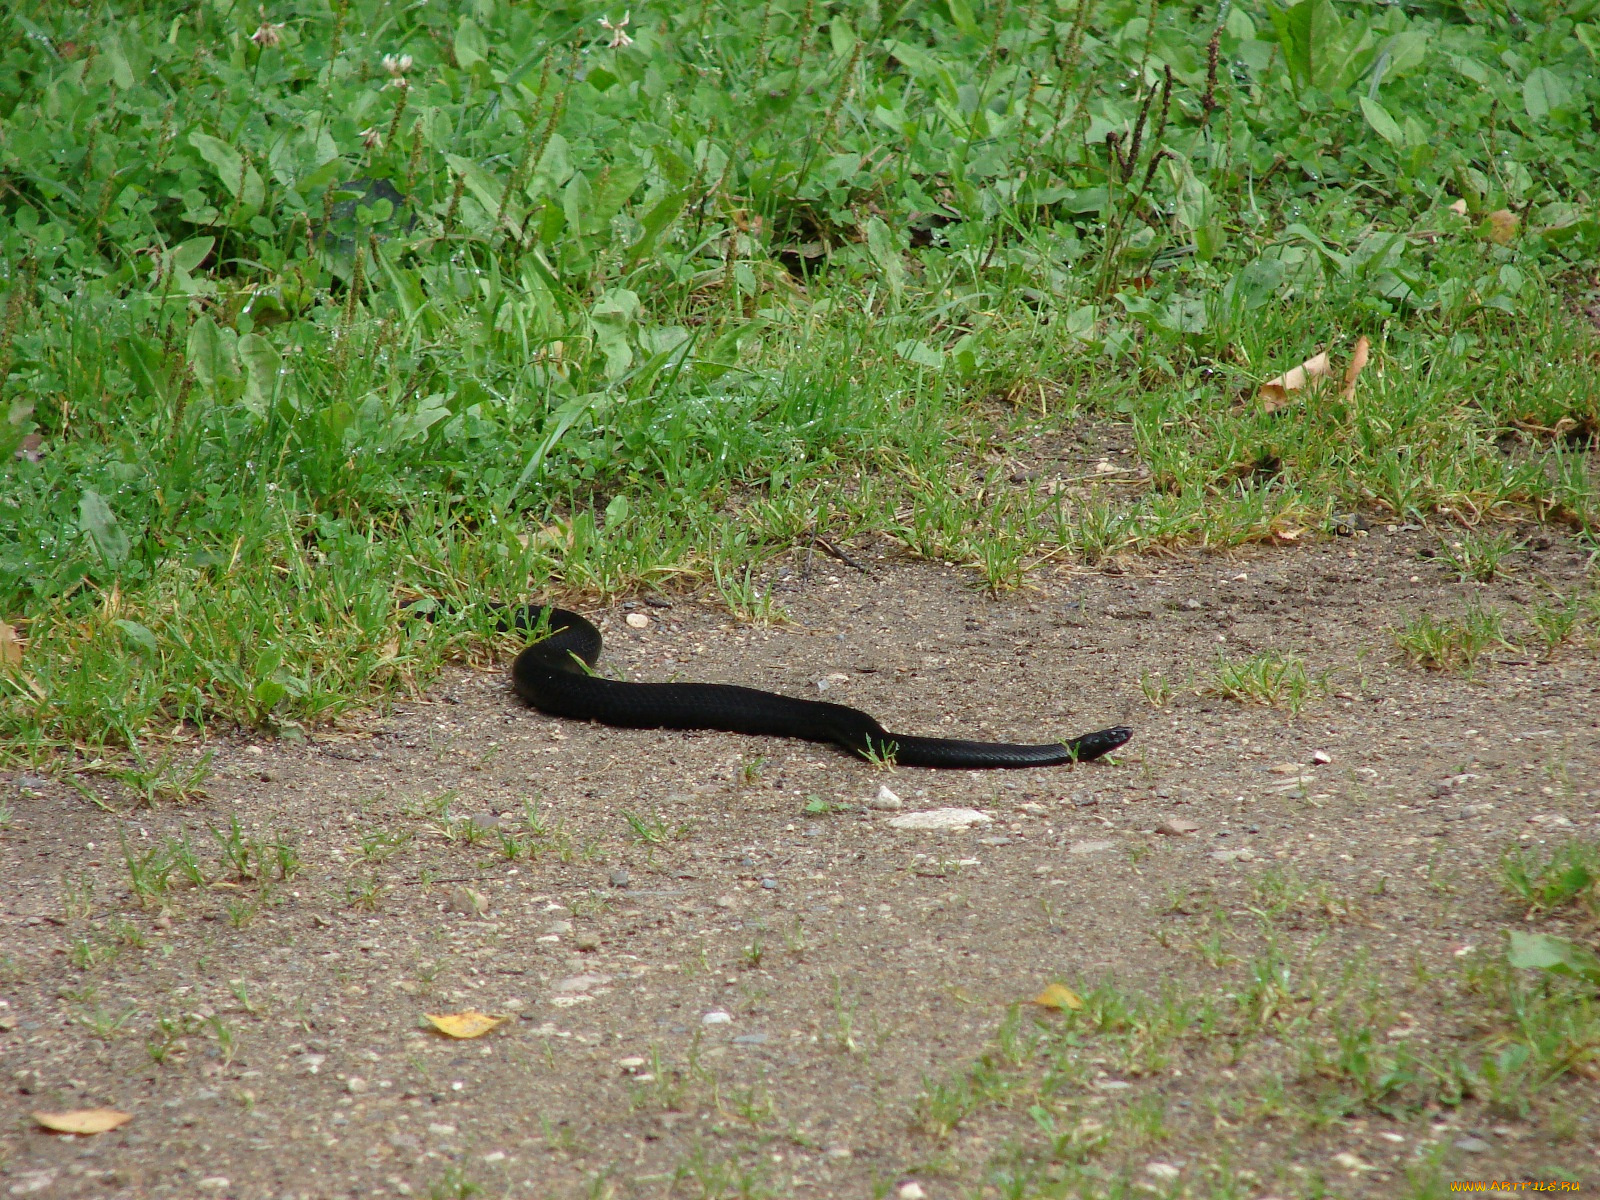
548 676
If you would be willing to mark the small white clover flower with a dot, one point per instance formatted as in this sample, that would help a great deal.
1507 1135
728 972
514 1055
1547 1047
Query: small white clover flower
619 36
397 65
268 35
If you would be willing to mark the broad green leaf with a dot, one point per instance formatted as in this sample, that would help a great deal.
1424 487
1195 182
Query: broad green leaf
662 213
238 177
616 511
961 14
1542 952
139 635
471 47
1471 68
1589 37
321 177
145 364
121 69
210 356
612 190
576 200
1544 90
430 411
224 159
1406 50
612 319
1194 204
97 520
192 253
261 373
842 36
920 353
1184 314
480 183
885 251
913 58
1380 120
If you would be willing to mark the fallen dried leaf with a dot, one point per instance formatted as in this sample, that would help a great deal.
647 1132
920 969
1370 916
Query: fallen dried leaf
469 1024
1176 827
1500 226
10 645
1274 394
1060 997
1459 207
83 1121
1358 360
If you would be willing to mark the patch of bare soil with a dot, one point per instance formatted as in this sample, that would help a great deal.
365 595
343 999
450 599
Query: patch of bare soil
246 973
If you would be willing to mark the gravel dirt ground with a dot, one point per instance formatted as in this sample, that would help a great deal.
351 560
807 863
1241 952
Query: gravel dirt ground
726 973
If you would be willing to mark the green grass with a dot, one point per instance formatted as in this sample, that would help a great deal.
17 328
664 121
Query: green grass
1267 678
1568 873
292 329
1452 643
1307 1040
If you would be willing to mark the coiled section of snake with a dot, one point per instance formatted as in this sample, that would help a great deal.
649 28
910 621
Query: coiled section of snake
548 676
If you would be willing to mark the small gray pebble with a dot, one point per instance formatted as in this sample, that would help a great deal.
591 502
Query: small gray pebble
751 1039
619 879
770 884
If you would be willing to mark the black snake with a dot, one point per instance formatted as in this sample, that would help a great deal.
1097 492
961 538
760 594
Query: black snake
548 676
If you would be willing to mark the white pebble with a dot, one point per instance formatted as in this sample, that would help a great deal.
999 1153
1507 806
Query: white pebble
941 818
1161 1170
911 1191
887 801
716 1017
638 620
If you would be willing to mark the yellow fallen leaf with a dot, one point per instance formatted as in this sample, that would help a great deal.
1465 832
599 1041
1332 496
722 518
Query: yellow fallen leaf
1060 997
1288 535
83 1120
469 1024
1358 359
10 645
1274 393
1500 226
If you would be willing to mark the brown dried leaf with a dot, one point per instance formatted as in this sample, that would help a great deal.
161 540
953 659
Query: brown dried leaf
10 645
1059 997
83 1121
1358 360
1500 226
1274 394
1459 207
469 1024
1177 827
